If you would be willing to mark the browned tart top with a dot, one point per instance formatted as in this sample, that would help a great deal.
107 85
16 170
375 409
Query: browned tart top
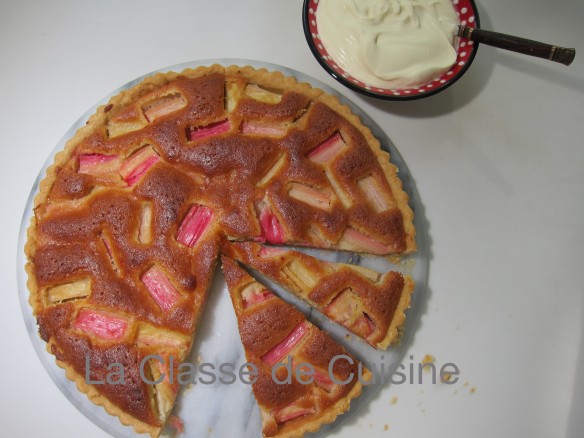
129 219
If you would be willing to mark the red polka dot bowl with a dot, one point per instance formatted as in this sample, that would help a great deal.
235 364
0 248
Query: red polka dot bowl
466 51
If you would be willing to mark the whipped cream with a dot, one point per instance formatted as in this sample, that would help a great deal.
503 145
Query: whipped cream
389 43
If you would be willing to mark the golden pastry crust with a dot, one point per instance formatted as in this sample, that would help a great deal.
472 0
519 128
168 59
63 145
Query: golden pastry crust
110 408
242 175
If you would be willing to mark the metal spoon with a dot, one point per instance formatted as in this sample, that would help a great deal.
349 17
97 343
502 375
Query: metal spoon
516 44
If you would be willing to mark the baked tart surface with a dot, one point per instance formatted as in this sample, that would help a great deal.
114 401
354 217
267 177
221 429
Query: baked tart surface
369 304
130 220
308 401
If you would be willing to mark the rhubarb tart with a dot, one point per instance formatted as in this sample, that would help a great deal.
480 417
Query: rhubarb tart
130 221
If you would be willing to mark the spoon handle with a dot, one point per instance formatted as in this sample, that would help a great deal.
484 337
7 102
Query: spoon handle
520 45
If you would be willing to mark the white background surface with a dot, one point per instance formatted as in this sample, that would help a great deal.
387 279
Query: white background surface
498 160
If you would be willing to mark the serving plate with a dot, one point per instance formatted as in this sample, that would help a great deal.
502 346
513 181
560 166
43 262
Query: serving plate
220 409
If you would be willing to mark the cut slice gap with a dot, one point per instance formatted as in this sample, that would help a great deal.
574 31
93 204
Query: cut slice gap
76 290
138 163
275 169
403 263
370 266
163 106
315 197
353 259
262 94
197 133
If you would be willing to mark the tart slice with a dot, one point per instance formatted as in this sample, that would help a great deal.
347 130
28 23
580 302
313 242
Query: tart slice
304 378
368 303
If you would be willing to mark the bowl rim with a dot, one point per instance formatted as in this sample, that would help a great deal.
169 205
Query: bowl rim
369 93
